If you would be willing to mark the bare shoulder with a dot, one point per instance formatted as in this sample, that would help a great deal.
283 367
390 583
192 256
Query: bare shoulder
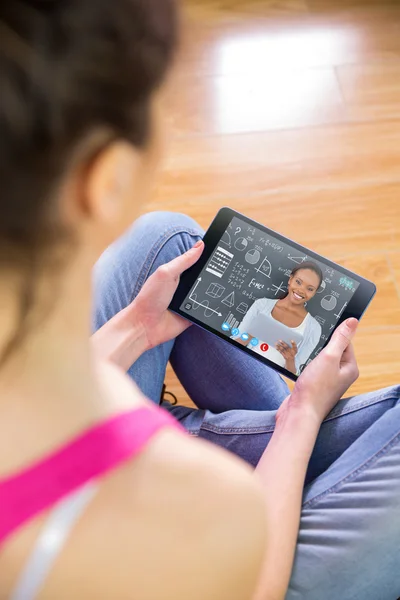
185 520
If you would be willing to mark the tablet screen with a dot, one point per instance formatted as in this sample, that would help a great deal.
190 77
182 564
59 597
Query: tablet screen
260 291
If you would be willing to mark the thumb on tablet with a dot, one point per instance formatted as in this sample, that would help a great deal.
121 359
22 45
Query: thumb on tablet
342 337
178 265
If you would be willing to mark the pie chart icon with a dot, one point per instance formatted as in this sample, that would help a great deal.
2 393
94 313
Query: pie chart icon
241 243
329 302
252 256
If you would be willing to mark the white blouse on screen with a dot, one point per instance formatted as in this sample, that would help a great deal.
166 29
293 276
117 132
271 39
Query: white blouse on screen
310 329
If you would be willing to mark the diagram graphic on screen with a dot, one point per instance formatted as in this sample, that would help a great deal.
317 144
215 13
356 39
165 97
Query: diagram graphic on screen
341 311
279 288
297 259
208 312
329 302
241 243
231 320
220 261
226 239
229 300
320 320
252 256
265 268
242 308
215 290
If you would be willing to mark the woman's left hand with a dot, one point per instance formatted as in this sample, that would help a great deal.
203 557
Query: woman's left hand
288 352
150 307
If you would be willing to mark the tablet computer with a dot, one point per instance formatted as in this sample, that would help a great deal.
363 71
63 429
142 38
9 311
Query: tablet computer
252 277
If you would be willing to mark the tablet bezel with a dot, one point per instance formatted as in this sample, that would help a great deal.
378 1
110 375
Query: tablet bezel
356 307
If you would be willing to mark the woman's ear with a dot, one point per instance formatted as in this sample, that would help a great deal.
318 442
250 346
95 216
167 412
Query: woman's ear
108 182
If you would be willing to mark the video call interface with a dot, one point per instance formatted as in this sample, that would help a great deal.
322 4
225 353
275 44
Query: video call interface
244 283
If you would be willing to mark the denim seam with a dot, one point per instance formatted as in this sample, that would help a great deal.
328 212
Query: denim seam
354 408
234 430
350 476
388 395
154 252
269 429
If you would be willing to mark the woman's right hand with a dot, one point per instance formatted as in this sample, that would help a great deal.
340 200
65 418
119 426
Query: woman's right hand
325 380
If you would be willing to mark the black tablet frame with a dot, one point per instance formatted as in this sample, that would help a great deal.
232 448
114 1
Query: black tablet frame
356 307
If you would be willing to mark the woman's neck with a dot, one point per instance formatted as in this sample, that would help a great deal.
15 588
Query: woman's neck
289 306
49 387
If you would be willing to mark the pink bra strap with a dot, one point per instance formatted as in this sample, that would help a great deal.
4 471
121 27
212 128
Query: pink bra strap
88 456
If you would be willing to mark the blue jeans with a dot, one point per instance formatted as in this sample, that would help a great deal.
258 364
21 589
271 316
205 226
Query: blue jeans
349 539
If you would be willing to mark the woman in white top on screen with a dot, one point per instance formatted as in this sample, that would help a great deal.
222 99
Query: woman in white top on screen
291 310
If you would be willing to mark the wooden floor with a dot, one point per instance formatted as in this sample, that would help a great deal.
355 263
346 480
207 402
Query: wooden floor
289 111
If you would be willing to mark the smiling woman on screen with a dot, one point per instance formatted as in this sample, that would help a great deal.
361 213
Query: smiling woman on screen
304 282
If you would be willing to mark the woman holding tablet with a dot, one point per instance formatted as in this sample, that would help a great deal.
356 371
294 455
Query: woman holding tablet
291 311
102 493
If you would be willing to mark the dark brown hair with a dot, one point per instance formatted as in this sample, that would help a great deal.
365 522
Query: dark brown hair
311 266
68 70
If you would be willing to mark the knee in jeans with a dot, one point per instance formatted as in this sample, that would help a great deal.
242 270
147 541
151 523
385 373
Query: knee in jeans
161 236
159 222
154 239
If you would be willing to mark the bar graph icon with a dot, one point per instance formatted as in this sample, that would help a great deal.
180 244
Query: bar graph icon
231 320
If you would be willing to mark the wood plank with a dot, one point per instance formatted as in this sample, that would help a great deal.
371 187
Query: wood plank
227 46
371 91
324 204
309 159
334 223
394 265
385 308
243 103
237 8
378 359
364 5
235 48
174 386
